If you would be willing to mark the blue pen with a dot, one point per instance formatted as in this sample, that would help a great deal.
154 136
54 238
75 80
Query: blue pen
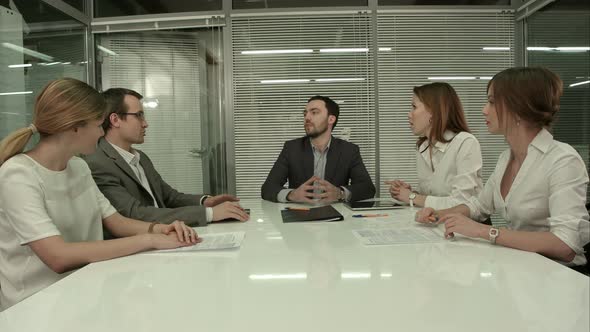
369 215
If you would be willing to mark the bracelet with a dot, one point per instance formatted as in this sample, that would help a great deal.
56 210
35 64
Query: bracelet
151 228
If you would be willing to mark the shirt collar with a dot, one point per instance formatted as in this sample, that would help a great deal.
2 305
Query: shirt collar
132 158
325 150
448 136
543 140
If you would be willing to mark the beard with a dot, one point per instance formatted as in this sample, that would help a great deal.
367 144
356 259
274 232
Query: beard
313 133
317 131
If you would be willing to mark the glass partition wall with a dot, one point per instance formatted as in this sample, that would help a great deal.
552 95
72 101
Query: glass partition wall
558 37
38 43
204 91
180 74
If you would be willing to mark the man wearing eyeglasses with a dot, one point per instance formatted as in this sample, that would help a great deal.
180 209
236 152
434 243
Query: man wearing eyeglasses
127 177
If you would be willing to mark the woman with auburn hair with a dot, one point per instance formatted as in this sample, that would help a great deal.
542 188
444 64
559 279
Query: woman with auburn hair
448 157
51 211
539 184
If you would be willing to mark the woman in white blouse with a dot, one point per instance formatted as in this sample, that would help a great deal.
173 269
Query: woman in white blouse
51 211
448 157
539 184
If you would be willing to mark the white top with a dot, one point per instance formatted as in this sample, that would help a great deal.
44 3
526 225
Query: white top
457 170
548 194
315 276
36 203
133 160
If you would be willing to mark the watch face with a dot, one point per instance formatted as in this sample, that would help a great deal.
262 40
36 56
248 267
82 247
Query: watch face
493 235
412 195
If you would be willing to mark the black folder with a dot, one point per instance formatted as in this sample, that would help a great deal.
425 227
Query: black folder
324 213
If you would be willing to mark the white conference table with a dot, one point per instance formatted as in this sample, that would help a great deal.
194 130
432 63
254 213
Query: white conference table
314 277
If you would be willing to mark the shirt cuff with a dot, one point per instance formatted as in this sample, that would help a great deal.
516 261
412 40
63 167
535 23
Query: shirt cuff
203 198
347 194
282 195
209 214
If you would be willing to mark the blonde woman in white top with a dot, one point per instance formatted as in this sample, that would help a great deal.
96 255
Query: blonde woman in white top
51 211
448 157
539 184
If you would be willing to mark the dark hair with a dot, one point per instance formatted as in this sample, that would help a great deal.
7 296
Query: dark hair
445 106
529 93
331 106
115 98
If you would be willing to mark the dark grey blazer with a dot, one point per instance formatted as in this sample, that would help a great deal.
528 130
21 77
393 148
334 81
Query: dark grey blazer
344 168
122 188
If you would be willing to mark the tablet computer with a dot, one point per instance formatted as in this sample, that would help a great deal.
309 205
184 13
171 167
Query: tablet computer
377 205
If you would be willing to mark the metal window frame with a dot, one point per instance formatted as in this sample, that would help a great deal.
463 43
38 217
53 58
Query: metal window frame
228 127
373 5
531 7
69 10
522 13
86 19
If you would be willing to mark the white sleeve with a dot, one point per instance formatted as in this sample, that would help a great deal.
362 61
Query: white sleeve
467 182
23 203
106 208
568 217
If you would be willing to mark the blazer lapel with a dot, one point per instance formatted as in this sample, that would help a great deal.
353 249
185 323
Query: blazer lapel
151 176
119 161
332 161
307 159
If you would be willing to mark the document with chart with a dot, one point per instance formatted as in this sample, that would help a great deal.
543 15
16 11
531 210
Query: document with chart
392 236
213 241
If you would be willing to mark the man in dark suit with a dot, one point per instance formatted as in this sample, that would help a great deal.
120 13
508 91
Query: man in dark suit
318 166
129 180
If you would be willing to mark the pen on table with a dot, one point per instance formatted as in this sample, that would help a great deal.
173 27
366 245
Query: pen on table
369 215
297 208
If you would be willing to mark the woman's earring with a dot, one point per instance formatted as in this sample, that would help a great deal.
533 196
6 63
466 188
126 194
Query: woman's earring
430 120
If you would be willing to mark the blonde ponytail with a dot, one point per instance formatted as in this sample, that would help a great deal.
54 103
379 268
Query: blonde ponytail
15 143
62 105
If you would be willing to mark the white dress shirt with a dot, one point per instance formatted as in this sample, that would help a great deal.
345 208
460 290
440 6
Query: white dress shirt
454 175
547 195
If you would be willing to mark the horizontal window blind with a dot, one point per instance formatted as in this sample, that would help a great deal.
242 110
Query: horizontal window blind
278 63
429 47
165 67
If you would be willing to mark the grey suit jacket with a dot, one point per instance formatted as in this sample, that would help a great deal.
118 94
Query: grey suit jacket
344 168
122 188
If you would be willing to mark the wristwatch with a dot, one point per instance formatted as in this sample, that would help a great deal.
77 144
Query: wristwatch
412 197
342 194
494 232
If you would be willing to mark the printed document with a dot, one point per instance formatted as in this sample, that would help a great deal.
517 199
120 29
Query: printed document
213 241
385 236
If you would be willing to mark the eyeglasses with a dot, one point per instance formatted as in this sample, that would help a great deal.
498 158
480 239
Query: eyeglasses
140 115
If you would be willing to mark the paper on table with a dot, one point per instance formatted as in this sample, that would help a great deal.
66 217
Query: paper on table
214 241
383 236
